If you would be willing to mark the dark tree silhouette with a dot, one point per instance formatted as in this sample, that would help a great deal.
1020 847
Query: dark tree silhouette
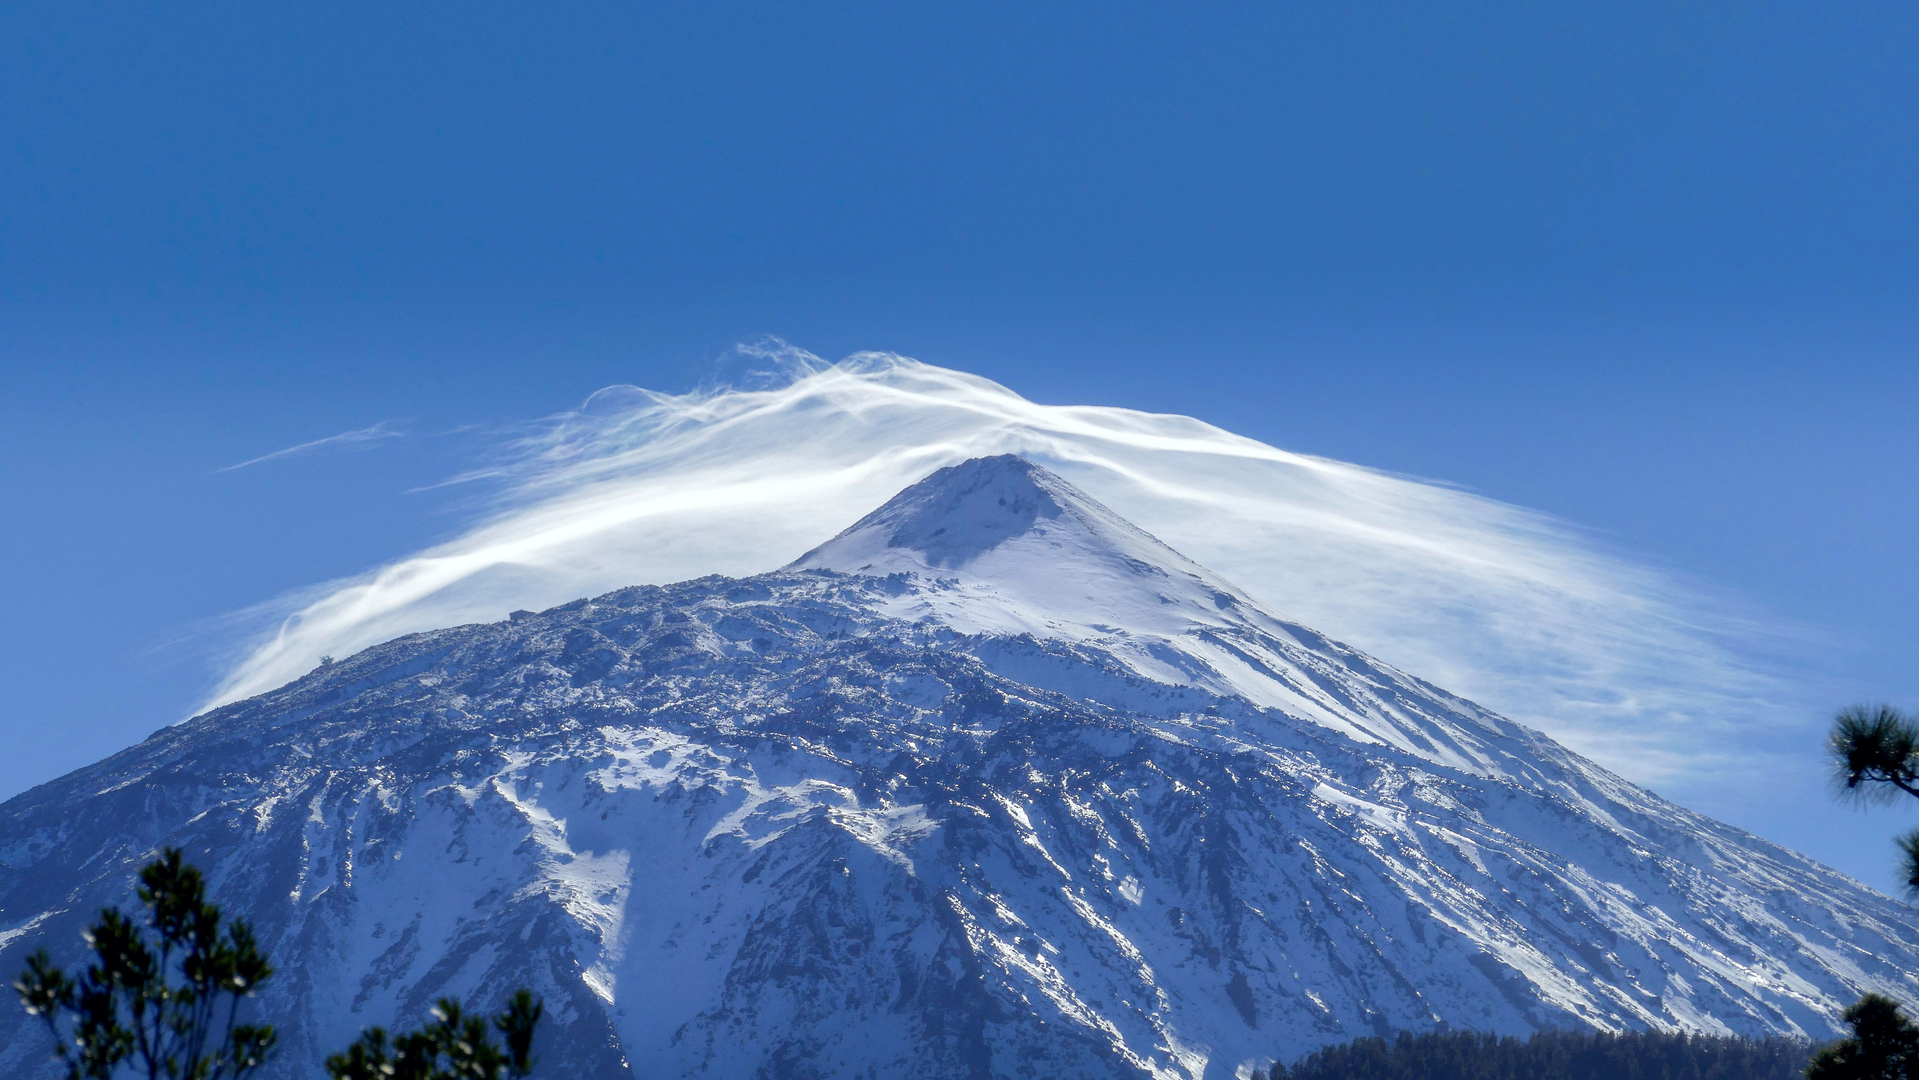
1876 749
453 1047
1884 1045
1552 1055
162 999
168 1008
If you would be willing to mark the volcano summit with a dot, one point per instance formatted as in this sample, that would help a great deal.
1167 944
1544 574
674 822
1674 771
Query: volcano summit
991 784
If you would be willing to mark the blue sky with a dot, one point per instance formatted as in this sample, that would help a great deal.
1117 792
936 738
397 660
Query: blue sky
1647 268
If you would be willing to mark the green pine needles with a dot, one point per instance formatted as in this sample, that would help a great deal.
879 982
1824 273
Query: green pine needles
1884 1045
164 997
454 1046
1876 750
162 1000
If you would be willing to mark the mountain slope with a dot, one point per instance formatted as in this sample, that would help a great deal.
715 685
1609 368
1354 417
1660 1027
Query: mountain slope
993 784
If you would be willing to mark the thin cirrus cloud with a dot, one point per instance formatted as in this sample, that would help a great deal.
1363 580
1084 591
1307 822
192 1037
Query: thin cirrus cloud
1502 604
346 440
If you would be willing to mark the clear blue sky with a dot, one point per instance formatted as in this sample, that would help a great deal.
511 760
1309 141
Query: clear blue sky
1648 267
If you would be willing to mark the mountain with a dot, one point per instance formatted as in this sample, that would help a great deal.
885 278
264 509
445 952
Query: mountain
991 784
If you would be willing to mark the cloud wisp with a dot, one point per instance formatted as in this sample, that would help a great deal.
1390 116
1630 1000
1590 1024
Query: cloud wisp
344 440
1496 602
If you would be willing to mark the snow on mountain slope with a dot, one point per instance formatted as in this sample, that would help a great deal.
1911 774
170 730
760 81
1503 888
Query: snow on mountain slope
957 795
1010 548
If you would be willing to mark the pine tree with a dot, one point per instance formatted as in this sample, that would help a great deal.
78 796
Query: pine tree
1554 1055
164 998
1877 751
163 1001
454 1046
1884 1045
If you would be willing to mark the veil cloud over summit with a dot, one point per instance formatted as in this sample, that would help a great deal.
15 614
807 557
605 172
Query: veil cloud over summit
1501 603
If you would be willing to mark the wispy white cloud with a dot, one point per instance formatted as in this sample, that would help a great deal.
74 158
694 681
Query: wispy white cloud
1630 665
344 440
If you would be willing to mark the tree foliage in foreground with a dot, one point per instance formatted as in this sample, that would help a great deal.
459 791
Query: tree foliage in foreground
454 1046
1876 749
1884 1045
1553 1055
163 998
163 1001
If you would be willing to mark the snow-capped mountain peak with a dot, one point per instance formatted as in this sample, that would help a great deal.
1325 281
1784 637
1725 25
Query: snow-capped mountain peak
1024 550
1000 546
954 516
